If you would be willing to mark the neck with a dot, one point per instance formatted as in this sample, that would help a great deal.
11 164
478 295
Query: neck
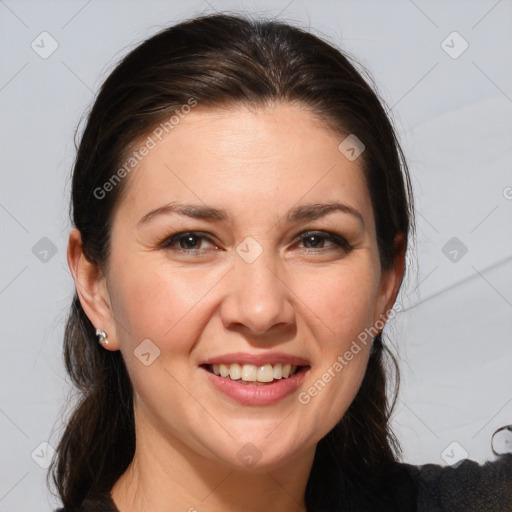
166 474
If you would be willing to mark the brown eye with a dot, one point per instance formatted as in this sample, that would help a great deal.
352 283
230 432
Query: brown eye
189 241
317 240
186 242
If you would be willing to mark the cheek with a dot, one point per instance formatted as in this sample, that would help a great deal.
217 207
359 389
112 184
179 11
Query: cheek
166 308
343 302
343 306
153 302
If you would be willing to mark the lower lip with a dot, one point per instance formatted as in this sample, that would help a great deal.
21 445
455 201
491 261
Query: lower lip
248 394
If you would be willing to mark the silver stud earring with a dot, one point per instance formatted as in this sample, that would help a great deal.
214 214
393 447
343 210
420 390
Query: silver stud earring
103 337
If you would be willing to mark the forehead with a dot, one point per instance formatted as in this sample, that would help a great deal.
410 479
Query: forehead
250 160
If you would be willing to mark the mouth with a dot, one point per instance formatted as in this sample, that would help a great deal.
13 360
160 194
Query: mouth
255 375
261 379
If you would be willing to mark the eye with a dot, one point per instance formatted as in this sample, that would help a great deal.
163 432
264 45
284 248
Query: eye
191 242
188 242
316 240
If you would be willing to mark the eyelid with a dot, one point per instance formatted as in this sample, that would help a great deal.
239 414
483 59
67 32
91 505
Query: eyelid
328 235
175 237
336 239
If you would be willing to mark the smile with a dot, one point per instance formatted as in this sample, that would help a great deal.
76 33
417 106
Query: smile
251 373
255 379
254 392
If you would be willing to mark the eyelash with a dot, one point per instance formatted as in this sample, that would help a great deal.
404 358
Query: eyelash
331 237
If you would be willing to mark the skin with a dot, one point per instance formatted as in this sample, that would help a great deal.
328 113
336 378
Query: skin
298 298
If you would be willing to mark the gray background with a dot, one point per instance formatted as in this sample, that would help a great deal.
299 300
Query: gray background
454 118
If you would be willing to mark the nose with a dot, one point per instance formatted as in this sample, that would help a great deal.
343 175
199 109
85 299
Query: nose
258 299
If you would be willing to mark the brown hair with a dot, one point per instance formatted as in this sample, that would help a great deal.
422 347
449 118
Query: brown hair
221 60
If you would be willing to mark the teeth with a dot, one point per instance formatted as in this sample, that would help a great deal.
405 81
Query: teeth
224 370
253 373
249 373
235 371
265 373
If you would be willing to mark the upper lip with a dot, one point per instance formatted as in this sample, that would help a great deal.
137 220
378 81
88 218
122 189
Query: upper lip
256 359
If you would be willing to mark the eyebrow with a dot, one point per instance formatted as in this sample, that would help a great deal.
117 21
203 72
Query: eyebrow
296 214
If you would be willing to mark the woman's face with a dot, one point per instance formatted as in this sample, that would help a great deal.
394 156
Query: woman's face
240 286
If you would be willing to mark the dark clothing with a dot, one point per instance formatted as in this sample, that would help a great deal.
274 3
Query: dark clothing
469 487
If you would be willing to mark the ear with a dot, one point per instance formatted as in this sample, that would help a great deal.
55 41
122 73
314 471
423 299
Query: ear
391 280
91 287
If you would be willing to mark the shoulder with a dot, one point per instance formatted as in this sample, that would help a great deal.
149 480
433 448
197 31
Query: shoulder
468 486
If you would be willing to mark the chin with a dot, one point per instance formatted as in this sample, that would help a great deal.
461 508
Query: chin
258 454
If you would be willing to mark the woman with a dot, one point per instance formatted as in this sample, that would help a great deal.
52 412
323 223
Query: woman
242 210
